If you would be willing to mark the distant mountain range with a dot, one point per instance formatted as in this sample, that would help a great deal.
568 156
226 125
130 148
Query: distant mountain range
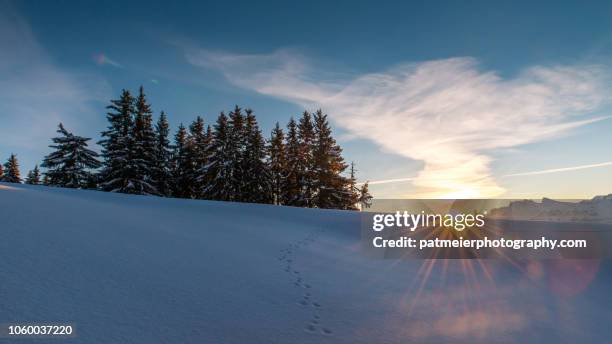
598 209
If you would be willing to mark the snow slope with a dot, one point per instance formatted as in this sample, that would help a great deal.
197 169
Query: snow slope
133 269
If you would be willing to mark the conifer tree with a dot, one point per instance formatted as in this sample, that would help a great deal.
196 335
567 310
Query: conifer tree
306 174
365 198
11 174
143 150
70 163
236 144
257 183
292 190
1 172
119 172
181 164
198 151
33 177
331 189
277 164
208 137
351 196
162 172
218 171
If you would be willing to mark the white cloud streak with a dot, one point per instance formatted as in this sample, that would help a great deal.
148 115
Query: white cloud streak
447 113
388 181
521 174
557 170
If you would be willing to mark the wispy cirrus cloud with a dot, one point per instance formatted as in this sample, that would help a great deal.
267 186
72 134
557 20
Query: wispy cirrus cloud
35 94
448 113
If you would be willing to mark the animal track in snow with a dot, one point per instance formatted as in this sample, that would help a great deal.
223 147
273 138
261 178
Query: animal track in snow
287 256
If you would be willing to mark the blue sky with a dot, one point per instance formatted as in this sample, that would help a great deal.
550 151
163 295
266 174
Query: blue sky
457 98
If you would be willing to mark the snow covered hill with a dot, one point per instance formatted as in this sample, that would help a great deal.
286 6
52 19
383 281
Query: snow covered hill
134 269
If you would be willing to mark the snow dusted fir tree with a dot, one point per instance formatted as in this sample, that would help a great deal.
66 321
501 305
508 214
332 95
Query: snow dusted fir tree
198 147
235 152
11 173
365 198
360 195
331 189
218 171
181 164
277 164
305 161
70 163
256 182
33 177
143 150
162 172
352 201
291 194
1 172
118 173
202 177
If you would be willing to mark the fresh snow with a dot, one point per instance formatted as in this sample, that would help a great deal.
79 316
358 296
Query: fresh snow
136 269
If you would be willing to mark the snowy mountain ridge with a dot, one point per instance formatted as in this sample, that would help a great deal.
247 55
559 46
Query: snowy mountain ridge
598 209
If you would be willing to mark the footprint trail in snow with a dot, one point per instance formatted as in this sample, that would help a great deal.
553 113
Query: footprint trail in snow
308 300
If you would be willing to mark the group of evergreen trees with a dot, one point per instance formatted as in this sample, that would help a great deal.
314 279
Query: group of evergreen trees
230 161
